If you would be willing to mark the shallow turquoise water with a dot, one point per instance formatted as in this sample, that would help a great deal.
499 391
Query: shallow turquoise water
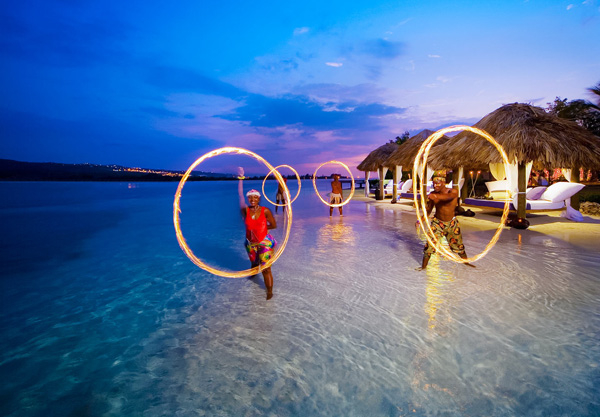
103 315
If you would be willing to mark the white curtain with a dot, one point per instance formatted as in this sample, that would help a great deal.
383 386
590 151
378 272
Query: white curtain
570 213
461 174
430 172
385 170
367 175
497 170
512 176
399 172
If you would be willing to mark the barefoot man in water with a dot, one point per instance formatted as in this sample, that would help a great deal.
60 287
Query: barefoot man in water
444 224
336 196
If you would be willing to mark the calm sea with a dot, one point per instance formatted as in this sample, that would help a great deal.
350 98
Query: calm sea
102 314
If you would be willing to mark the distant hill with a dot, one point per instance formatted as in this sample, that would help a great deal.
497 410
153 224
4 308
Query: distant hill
48 171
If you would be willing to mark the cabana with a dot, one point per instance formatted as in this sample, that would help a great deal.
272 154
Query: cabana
375 162
404 157
529 136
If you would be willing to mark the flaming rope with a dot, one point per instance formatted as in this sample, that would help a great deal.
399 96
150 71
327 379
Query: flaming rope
299 185
343 203
419 170
177 210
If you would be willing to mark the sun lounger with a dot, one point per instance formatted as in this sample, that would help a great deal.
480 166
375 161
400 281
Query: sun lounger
554 197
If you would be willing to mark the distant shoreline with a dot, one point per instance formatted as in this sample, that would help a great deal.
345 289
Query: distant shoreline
17 171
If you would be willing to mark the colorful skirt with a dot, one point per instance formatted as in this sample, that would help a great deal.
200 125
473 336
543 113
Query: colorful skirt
261 252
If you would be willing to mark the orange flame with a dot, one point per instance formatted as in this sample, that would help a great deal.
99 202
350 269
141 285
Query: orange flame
419 169
177 210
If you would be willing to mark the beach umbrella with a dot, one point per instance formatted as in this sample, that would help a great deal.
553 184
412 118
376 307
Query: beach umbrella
374 162
528 135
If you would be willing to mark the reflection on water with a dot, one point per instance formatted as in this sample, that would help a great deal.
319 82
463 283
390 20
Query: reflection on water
436 296
336 231
102 314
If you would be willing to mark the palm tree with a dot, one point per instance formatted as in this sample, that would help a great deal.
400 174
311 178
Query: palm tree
596 91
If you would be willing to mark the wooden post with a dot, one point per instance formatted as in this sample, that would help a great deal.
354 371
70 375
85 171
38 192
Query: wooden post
381 184
521 222
575 199
395 186
455 184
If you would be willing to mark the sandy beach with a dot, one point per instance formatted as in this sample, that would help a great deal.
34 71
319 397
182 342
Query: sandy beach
585 234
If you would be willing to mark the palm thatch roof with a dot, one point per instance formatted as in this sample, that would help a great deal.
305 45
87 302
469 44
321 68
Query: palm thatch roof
405 154
375 159
527 133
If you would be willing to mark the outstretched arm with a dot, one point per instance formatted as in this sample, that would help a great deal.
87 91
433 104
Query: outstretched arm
241 190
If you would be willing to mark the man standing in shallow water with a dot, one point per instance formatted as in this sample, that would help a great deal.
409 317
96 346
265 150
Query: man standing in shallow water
444 223
336 196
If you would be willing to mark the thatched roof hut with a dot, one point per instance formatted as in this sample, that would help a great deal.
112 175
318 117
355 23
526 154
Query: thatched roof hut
405 155
375 162
375 159
527 134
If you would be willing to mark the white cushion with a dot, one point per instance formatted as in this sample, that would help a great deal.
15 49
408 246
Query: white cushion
501 185
535 193
406 186
560 191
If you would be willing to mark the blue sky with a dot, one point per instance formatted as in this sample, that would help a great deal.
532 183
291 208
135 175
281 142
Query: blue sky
158 84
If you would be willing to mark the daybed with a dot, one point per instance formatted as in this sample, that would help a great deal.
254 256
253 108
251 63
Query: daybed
555 197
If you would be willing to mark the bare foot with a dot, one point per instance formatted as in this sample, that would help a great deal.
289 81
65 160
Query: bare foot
269 295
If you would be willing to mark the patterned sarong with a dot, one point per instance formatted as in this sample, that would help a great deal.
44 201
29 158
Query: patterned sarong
451 231
261 252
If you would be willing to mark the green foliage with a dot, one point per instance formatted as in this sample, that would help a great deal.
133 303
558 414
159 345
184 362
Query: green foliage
582 112
596 91
401 139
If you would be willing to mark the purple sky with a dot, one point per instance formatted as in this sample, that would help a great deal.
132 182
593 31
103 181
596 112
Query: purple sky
158 84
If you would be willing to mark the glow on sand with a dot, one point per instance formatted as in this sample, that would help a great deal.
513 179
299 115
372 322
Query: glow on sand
343 203
299 185
419 170
177 210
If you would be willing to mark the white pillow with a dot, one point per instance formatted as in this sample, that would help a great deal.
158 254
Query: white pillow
535 193
560 191
406 186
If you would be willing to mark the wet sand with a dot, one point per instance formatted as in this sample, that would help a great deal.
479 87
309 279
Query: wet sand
585 234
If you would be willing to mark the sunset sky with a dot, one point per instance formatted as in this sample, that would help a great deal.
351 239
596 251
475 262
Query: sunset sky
158 84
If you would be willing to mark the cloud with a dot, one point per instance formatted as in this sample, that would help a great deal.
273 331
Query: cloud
384 49
291 110
158 111
570 6
175 79
301 31
334 64
433 56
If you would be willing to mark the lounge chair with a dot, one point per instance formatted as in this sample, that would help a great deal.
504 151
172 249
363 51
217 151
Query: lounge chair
555 197
498 189
389 188
404 193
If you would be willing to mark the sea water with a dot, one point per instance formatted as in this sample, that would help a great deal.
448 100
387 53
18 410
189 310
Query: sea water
102 314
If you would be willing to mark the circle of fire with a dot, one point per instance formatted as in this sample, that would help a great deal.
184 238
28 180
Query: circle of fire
177 210
299 185
343 203
419 170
